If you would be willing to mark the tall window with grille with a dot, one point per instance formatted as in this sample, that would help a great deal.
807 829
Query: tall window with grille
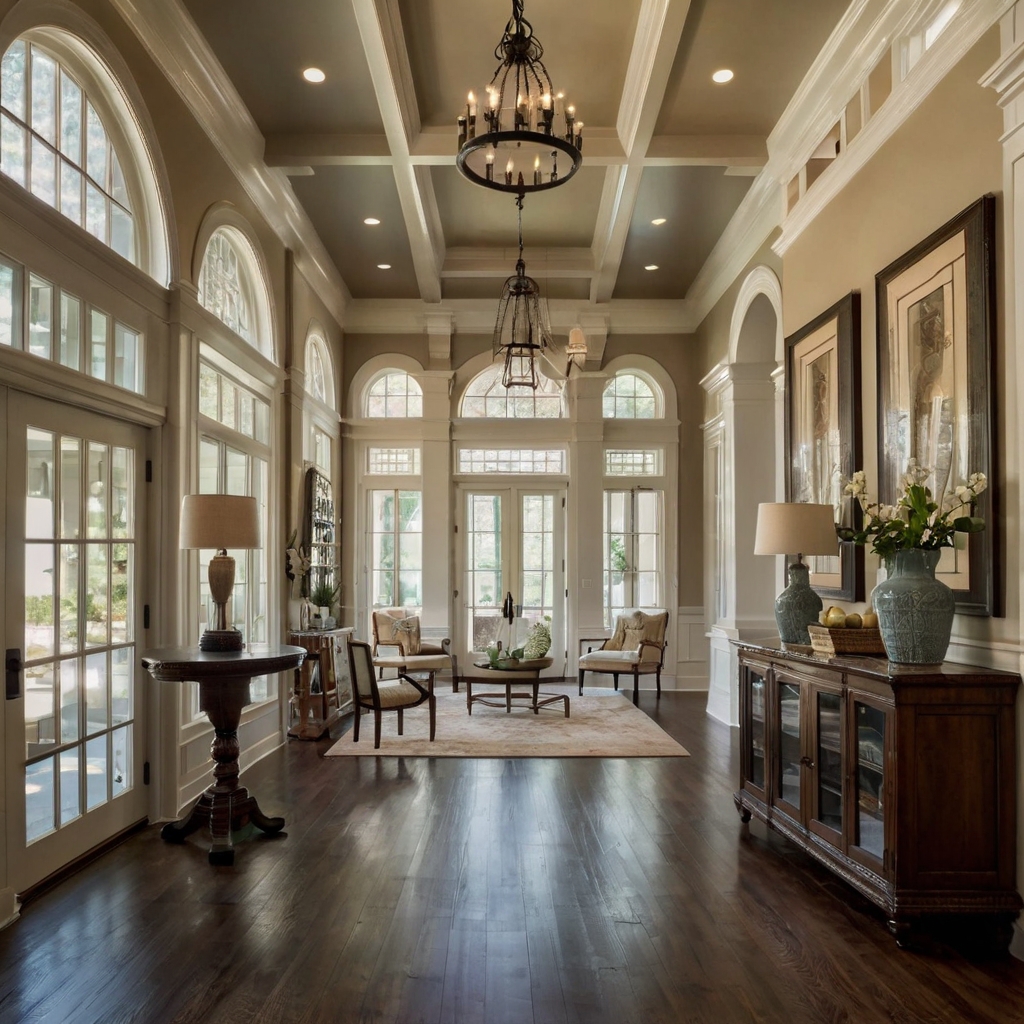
396 549
632 551
234 458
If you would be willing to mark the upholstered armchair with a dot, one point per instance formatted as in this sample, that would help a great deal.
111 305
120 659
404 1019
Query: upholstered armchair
399 632
387 695
636 648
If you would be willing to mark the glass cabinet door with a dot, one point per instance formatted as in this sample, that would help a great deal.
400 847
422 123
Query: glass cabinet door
828 762
869 780
754 704
790 757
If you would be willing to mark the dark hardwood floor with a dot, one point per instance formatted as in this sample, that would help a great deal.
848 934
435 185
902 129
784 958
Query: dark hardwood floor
494 891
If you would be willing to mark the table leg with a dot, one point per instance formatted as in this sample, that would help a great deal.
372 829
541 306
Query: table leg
536 687
225 806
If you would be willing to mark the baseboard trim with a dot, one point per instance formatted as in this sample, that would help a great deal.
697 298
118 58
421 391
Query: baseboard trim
76 865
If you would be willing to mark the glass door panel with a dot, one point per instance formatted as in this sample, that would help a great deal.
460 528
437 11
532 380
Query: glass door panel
755 750
790 753
514 543
869 781
828 758
73 746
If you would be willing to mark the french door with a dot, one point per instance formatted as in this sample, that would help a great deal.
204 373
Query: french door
74 716
513 541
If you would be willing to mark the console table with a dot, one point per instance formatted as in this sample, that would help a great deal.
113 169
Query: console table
900 779
323 691
223 680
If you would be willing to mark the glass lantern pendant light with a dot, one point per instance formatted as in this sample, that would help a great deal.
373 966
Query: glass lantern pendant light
522 330
533 137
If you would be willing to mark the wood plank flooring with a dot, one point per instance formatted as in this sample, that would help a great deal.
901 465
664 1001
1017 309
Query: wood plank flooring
572 891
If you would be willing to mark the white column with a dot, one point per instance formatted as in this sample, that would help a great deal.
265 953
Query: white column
742 420
438 524
1007 79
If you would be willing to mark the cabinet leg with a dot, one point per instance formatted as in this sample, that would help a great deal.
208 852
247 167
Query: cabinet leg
740 809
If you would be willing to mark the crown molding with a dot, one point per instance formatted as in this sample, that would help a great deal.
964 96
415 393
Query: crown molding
173 40
966 28
476 316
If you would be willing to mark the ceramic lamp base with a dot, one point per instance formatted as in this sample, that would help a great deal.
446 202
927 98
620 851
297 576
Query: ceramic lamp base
797 606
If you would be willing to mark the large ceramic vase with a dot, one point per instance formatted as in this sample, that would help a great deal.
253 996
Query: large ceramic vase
915 610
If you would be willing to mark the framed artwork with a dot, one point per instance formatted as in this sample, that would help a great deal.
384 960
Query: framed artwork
936 330
823 432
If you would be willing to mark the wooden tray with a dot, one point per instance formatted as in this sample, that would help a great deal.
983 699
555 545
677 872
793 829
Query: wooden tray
829 640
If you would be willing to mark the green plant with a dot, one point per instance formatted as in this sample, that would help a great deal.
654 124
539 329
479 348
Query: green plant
916 520
323 594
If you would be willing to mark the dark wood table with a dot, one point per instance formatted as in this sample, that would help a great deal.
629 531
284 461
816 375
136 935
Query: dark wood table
223 678
508 675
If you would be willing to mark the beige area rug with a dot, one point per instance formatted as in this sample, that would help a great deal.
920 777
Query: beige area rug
600 724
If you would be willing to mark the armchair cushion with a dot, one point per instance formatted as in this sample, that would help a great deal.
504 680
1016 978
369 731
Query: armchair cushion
621 659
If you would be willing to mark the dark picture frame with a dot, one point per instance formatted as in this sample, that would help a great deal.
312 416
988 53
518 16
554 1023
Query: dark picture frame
824 432
936 310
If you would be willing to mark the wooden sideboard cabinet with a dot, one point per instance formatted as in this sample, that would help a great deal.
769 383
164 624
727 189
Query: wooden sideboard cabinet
900 779
323 690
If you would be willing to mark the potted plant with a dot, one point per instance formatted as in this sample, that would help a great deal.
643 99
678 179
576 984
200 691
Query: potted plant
915 610
323 596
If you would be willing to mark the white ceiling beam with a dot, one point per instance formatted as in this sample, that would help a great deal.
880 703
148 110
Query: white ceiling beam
476 316
380 29
659 28
498 262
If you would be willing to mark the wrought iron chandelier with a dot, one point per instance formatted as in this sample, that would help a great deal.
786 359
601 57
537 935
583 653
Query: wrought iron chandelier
520 114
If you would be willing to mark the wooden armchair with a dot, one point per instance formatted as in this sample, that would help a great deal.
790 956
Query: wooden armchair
637 647
395 628
393 695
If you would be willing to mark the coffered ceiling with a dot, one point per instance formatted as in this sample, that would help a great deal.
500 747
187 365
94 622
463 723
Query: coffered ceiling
377 138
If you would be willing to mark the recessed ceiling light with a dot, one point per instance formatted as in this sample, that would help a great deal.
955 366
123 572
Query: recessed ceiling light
658 221
383 266
371 221
651 266
313 75
725 75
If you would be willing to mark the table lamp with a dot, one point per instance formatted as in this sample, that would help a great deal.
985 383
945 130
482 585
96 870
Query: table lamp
219 521
784 528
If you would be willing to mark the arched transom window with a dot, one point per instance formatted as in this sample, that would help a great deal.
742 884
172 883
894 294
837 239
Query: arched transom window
228 285
319 376
394 393
486 396
628 396
54 142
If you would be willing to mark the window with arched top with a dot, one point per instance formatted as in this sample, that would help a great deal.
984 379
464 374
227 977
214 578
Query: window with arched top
319 370
629 396
487 397
55 142
226 286
394 393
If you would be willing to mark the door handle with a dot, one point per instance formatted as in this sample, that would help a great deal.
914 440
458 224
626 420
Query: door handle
807 762
13 666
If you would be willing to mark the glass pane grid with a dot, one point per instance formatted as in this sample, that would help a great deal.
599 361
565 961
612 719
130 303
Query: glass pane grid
486 396
41 135
632 462
522 461
632 551
630 397
393 461
79 673
223 286
232 405
394 394
396 549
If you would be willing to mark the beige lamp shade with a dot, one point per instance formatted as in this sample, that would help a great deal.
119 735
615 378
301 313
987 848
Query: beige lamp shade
219 521
791 528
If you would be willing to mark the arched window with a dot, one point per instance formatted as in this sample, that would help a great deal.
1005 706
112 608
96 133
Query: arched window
315 376
57 144
225 286
394 393
486 396
628 396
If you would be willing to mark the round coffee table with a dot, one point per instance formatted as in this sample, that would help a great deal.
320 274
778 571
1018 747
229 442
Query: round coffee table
509 674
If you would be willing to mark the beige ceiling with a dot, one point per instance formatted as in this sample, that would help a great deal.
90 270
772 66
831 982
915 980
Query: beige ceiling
350 157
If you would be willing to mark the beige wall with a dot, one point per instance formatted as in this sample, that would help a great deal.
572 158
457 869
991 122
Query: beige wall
943 159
